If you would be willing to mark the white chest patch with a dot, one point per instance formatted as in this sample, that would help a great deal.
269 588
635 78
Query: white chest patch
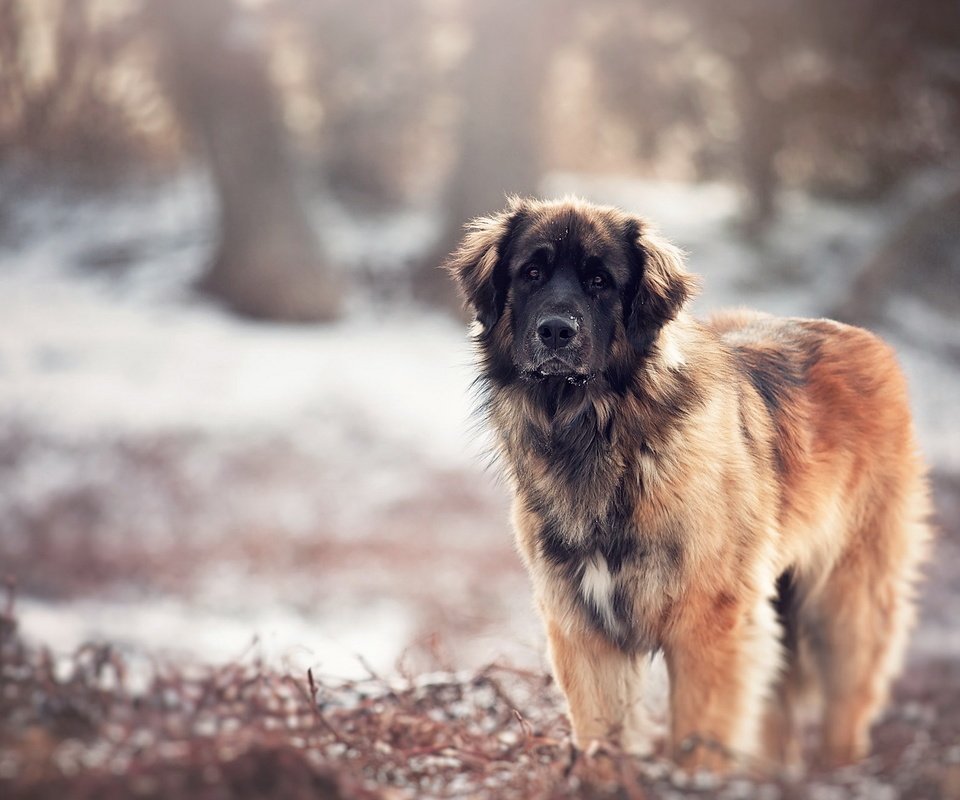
596 588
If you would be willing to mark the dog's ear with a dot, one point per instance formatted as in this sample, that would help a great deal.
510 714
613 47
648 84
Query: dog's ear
479 265
662 284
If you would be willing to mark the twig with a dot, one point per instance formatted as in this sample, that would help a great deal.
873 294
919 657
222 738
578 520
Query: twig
524 726
318 714
374 675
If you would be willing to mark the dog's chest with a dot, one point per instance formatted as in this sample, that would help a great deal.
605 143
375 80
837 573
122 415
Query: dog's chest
602 567
617 580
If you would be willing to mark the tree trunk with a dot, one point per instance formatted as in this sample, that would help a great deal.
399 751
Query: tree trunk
499 149
761 138
267 263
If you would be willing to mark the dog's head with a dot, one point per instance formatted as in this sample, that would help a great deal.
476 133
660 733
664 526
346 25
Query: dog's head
567 290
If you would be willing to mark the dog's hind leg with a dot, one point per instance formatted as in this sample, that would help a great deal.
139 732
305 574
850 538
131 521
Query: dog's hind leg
858 622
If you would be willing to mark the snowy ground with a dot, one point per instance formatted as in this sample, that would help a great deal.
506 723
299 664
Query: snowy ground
176 480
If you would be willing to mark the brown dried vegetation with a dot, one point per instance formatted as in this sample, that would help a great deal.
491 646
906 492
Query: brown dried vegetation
75 726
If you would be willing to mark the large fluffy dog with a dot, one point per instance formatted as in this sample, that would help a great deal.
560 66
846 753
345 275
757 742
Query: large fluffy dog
743 494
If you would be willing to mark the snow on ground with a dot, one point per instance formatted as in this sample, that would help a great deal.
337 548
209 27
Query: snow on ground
280 637
76 362
102 344
80 354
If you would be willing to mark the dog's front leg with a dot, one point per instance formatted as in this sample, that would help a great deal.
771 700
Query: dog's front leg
723 654
603 687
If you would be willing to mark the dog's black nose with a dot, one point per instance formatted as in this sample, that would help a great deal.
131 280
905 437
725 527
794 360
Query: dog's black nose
556 332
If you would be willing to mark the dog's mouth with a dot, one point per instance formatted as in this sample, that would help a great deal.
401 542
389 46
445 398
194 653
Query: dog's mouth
558 368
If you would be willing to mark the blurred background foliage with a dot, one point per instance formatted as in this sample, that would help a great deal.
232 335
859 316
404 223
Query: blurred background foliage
383 105
181 469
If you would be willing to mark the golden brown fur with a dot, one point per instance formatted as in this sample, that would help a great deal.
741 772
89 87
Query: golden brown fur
743 494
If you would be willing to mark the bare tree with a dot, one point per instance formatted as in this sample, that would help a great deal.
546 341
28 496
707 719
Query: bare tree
843 98
502 81
267 263
374 75
55 105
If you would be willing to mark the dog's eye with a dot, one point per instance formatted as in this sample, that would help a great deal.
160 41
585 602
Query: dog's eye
533 273
597 280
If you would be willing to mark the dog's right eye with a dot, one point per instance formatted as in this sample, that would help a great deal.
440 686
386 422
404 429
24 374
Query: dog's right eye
533 273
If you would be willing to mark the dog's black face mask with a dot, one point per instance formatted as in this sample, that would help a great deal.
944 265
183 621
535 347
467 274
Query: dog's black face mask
567 291
567 281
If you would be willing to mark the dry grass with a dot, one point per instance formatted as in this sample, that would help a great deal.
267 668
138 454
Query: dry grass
73 727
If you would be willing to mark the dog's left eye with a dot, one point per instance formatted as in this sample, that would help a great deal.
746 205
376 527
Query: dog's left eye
597 280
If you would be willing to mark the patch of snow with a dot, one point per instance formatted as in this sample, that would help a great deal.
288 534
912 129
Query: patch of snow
934 385
172 627
382 242
920 321
74 360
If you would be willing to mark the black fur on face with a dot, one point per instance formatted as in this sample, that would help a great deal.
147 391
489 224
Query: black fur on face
567 292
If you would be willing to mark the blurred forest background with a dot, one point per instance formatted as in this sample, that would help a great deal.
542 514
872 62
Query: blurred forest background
384 105
234 384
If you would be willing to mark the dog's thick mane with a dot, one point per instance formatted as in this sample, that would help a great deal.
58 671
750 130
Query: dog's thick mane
587 436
